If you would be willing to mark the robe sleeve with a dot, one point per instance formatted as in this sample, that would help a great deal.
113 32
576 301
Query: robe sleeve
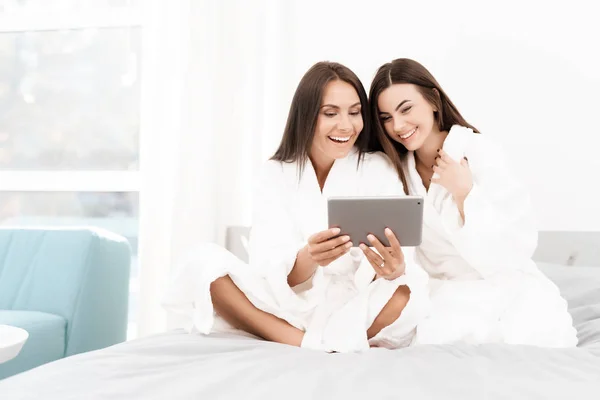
274 238
499 229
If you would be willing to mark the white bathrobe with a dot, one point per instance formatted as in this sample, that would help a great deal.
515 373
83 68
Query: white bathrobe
337 306
484 285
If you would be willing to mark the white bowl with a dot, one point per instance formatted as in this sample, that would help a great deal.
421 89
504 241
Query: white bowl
12 340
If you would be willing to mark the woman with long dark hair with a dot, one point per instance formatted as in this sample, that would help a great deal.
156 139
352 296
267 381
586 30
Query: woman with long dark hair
306 285
479 234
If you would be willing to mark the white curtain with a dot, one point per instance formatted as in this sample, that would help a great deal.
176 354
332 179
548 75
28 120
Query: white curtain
214 83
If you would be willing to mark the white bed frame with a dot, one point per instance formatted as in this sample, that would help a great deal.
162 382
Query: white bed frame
556 247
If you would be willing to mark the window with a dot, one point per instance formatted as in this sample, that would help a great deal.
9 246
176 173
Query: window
69 116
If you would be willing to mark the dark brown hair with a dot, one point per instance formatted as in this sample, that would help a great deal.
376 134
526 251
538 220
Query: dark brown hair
404 70
302 118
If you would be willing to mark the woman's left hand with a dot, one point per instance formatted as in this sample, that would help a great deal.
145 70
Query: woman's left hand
454 176
389 263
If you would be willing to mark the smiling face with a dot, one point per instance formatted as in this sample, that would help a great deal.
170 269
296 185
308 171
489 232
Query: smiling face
406 116
338 124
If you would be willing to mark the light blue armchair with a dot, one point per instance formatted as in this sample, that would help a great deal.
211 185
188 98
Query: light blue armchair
68 287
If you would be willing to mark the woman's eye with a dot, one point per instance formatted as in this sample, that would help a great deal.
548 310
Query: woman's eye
330 114
407 109
355 113
386 118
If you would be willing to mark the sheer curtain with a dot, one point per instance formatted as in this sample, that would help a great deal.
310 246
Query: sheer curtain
214 85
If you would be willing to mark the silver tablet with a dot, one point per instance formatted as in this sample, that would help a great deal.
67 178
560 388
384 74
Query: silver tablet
359 216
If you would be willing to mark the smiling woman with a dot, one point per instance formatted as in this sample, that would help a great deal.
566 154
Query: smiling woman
307 285
479 233
338 125
325 131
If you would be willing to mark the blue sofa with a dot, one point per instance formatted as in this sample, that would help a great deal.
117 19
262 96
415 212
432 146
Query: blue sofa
68 287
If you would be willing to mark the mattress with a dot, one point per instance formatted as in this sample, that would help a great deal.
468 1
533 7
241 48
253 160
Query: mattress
176 365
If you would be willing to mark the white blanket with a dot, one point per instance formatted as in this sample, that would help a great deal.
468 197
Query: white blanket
485 286
341 301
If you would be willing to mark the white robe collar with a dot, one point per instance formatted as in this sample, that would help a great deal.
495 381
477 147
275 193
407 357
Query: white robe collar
336 177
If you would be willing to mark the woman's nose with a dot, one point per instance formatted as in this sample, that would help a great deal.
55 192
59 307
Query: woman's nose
345 125
398 125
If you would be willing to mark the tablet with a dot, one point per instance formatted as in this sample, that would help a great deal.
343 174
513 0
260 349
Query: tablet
359 216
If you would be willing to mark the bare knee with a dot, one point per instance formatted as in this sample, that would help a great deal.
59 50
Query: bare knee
221 289
219 283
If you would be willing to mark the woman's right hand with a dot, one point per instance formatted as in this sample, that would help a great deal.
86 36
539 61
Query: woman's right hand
324 247
389 263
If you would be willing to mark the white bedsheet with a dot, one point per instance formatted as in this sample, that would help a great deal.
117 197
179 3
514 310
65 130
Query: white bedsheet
177 365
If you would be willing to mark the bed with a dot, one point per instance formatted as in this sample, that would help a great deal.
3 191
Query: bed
175 365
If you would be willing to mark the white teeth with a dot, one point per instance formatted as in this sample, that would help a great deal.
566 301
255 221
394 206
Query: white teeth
409 134
340 139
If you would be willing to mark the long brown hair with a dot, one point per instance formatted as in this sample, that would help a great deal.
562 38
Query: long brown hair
302 118
404 70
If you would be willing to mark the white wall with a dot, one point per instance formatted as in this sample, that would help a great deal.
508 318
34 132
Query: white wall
525 72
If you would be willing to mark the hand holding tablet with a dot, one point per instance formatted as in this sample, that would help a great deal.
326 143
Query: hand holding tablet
385 223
